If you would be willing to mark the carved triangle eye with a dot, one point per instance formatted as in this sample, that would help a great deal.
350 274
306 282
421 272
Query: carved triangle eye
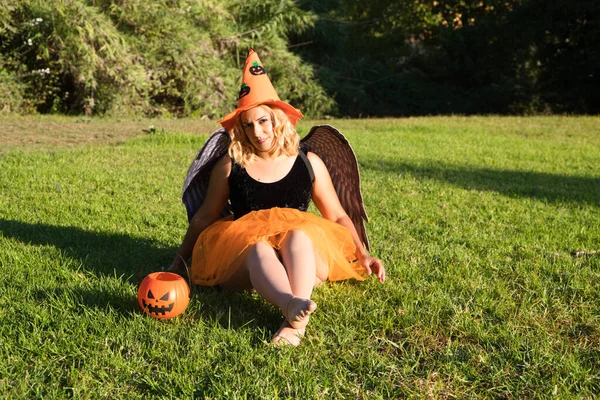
165 297
150 295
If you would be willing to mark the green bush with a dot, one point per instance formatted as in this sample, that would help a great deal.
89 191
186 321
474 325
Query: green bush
180 58
11 94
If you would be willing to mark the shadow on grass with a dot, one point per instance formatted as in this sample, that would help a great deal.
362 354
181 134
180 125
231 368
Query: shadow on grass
234 309
91 298
528 184
102 253
230 310
133 258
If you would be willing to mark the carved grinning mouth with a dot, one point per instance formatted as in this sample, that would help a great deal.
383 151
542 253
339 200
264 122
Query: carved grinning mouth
157 309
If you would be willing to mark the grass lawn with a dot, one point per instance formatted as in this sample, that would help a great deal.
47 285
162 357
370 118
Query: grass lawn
489 228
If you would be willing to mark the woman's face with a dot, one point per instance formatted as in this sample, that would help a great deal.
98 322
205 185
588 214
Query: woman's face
258 127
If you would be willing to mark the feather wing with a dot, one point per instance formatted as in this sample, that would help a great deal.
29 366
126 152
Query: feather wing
339 158
196 181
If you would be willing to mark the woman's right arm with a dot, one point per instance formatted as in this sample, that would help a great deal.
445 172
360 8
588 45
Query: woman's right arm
216 198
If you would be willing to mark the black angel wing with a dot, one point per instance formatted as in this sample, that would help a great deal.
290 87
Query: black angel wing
335 151
196 181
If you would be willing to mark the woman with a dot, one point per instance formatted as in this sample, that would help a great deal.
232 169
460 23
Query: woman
272 245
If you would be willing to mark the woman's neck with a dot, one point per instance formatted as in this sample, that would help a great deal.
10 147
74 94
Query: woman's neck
268 157
271 169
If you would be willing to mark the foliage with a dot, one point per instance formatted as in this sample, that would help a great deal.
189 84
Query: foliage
341 57
457 56
518 56
566 50
358 49
11 93
68 55
158 58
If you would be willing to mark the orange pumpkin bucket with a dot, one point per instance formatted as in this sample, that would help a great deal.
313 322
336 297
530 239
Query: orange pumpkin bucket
163 295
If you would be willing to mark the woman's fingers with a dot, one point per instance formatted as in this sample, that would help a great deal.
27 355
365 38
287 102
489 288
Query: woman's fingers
374 265
377 266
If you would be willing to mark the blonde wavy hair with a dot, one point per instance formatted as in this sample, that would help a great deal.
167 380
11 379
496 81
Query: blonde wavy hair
286 138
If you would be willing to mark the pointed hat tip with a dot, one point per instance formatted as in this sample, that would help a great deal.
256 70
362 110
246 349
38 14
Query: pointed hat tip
257 89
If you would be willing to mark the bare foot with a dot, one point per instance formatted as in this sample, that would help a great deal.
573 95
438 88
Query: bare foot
288 336
298 310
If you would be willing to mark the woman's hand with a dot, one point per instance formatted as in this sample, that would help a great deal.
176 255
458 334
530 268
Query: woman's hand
177 266
372 265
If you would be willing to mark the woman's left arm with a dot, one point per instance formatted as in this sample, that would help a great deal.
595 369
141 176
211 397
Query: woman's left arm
328 204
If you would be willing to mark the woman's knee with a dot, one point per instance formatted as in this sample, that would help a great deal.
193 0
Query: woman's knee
297 238
260 251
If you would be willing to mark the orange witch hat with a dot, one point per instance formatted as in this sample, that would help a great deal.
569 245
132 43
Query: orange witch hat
257 89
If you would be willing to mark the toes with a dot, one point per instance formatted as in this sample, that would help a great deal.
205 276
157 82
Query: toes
298 310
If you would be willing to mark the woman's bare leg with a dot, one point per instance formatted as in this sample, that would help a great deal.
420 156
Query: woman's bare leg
267 274
270 280
298 256
287 285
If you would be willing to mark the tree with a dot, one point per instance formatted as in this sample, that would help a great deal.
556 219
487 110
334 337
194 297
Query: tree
458 56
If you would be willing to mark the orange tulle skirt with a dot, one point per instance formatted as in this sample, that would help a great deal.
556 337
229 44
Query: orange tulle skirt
220 249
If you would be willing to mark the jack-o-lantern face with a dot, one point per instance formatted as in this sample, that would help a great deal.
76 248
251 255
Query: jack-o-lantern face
163 295
244 90
257 69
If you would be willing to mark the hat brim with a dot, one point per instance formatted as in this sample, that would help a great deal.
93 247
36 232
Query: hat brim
293 114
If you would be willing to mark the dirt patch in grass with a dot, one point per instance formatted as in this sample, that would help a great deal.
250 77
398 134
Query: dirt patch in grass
39 132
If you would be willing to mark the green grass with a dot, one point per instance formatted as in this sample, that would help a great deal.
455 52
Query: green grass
478 221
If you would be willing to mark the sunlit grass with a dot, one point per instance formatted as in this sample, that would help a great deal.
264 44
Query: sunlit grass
478 221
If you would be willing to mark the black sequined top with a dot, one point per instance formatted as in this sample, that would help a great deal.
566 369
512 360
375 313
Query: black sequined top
292 191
